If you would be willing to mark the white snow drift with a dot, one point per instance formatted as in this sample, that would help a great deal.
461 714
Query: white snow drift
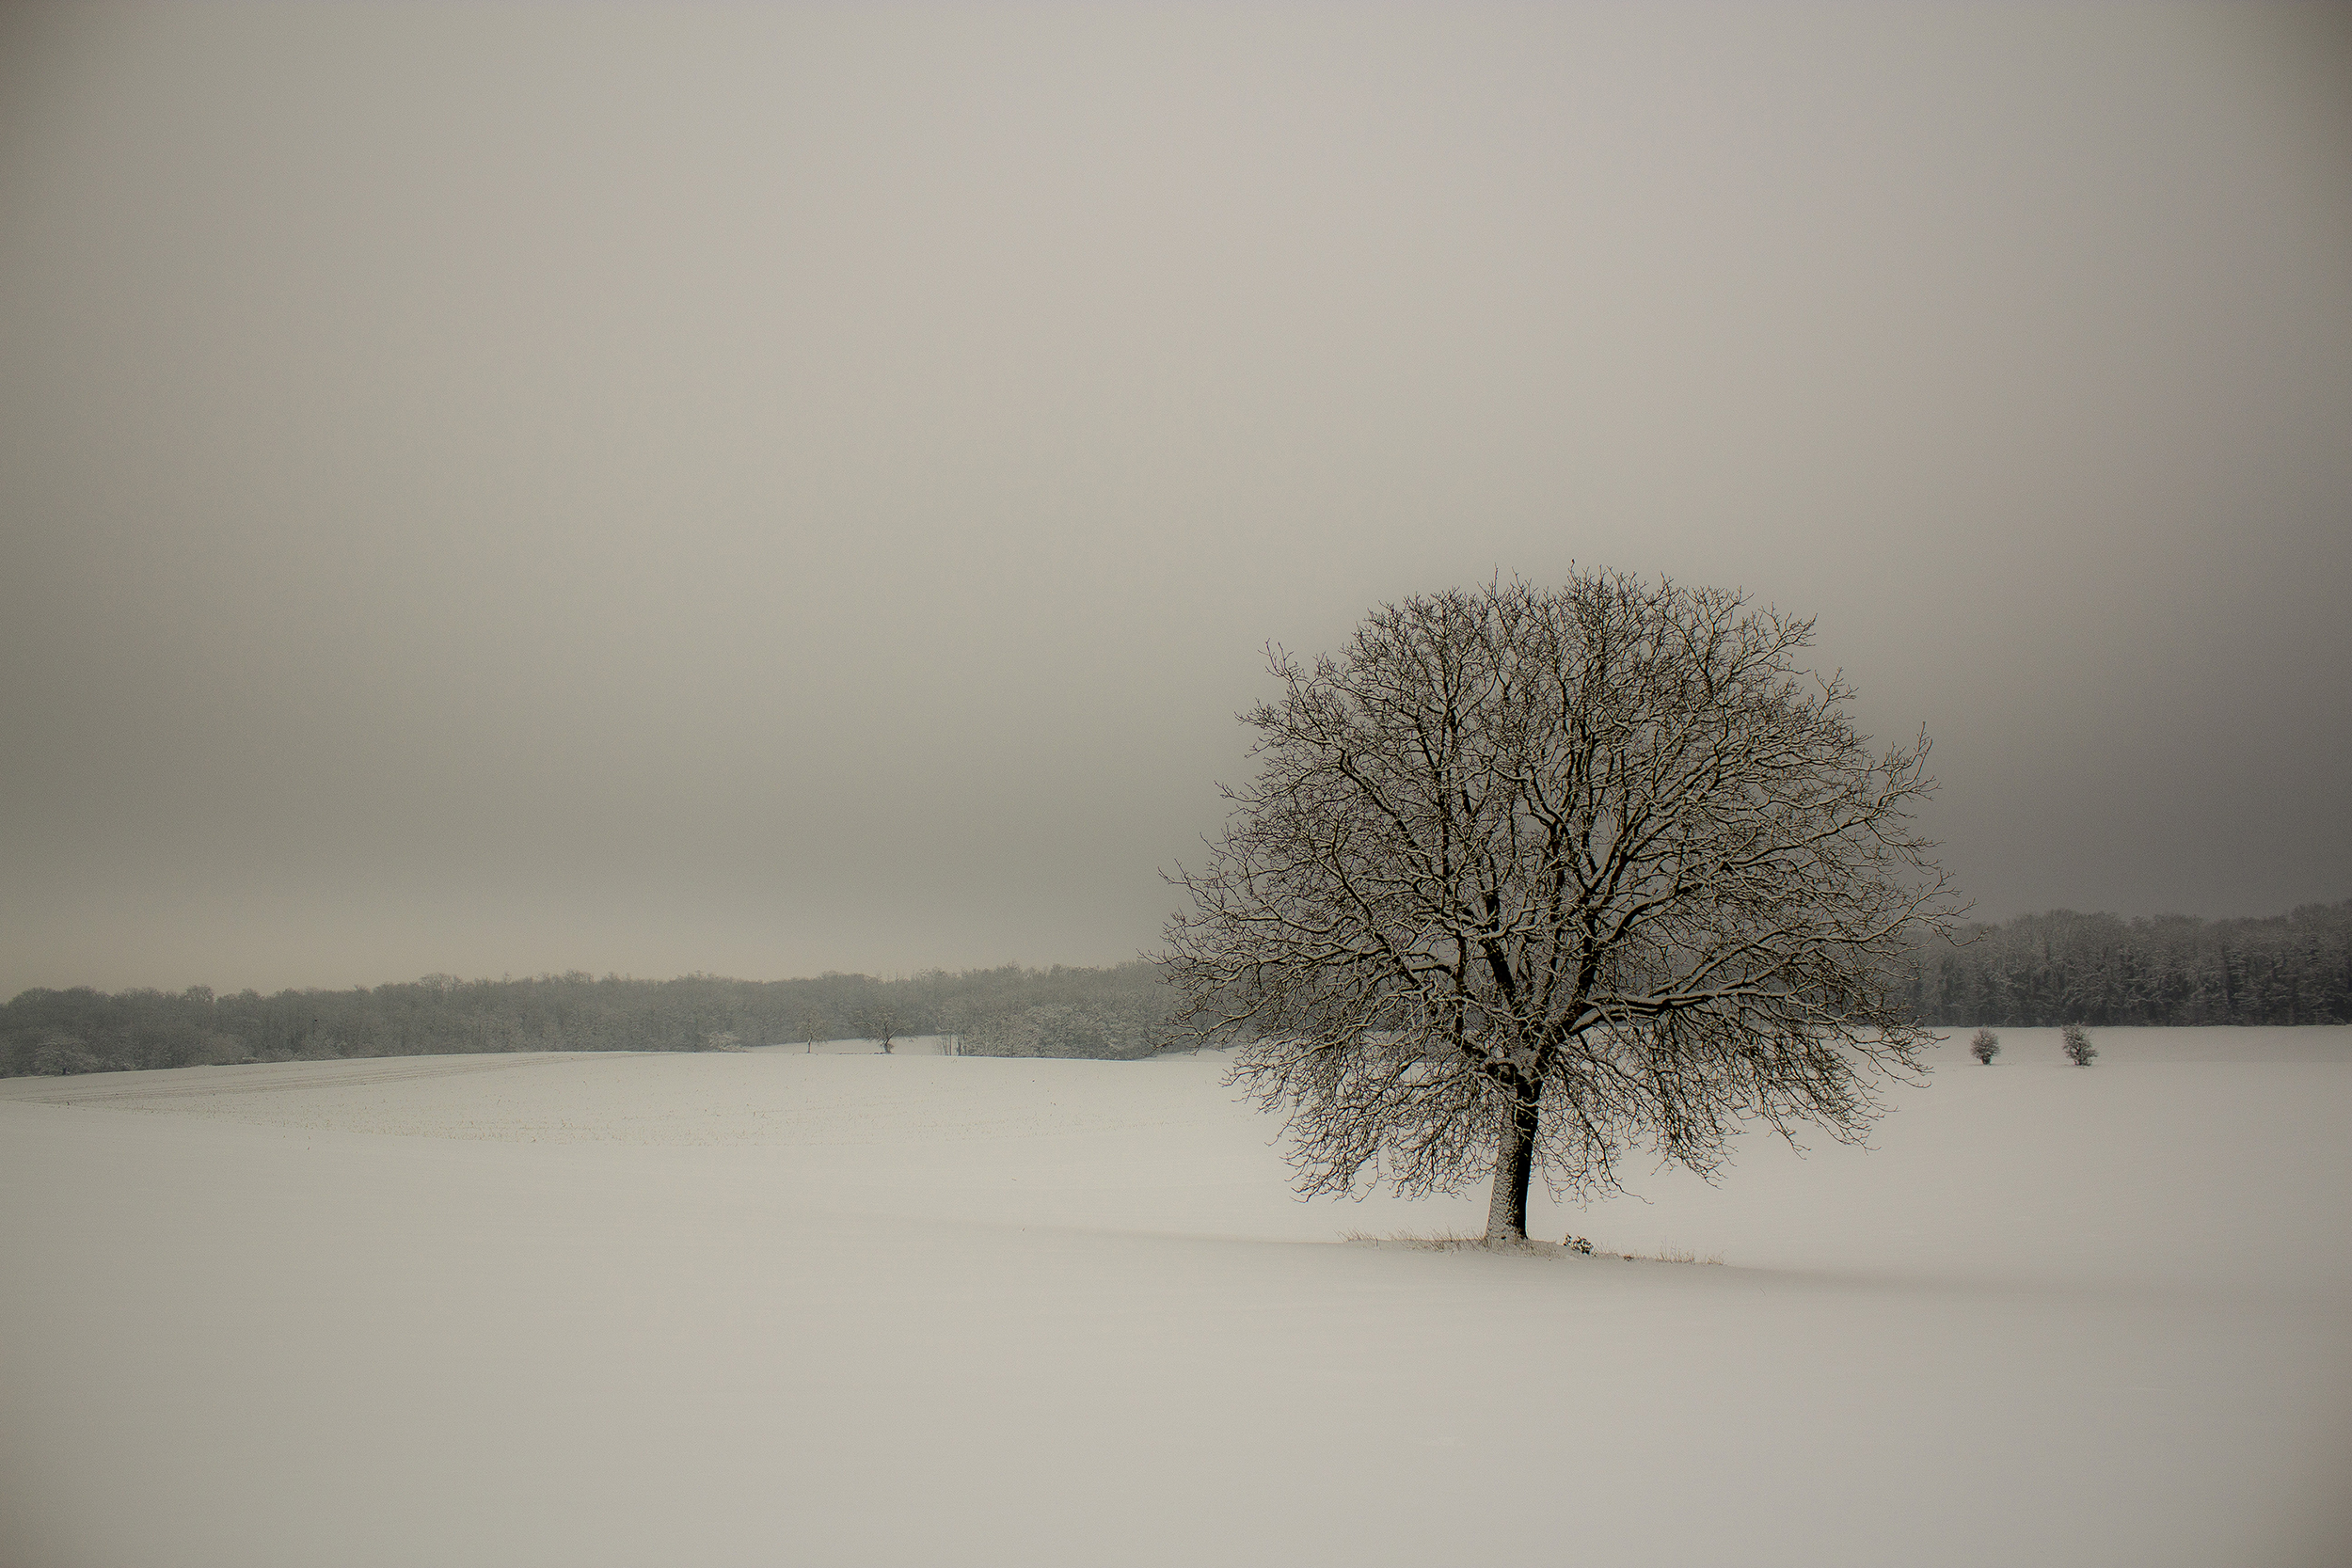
776 1308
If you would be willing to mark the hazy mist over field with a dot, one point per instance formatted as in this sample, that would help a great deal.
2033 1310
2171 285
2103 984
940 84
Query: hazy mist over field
762 489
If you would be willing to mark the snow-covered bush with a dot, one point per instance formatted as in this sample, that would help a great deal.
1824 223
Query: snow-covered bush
1062 1029
2076 1044
61 1055
1986 1046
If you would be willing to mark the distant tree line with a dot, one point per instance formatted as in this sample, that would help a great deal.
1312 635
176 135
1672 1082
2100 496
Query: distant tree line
2041 970
2037 971
1119 1011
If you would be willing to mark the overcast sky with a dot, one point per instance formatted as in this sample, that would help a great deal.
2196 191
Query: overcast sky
767 489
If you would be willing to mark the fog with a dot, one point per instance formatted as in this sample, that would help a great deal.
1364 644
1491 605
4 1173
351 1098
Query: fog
757 490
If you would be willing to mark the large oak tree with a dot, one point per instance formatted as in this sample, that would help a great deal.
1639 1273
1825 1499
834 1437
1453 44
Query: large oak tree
1529 878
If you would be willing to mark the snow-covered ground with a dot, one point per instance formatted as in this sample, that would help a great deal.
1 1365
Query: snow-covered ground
837 1308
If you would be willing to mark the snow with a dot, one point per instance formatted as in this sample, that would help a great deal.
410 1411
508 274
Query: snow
842 1308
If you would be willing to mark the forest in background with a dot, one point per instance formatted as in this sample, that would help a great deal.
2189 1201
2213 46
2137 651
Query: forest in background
2039 971
2035 970
1008 1011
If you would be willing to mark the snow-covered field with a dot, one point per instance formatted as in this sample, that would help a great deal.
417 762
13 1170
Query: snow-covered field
832 1308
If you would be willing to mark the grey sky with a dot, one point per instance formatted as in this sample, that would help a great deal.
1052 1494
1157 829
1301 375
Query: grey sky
762 489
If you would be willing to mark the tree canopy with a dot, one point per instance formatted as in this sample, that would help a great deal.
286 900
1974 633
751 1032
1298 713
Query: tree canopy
1528 877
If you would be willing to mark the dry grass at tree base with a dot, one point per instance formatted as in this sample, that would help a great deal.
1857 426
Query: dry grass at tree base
1463 1241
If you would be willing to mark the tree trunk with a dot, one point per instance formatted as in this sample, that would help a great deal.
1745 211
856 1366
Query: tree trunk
1515 1168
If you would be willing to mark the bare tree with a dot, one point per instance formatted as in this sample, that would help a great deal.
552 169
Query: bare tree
2076 1044
878 1016
1986 1046
1528 877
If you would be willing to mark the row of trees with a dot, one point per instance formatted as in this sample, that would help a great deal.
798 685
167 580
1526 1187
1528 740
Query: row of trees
2035 971
2046 970
1117 1011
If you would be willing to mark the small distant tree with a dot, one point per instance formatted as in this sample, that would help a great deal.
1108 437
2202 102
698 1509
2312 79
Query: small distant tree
879 1018
1986 1046
2077 1046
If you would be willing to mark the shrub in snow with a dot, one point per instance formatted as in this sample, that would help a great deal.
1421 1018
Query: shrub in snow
1065 1029
61 1054
1986 1046
1578 1243
2076 1045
